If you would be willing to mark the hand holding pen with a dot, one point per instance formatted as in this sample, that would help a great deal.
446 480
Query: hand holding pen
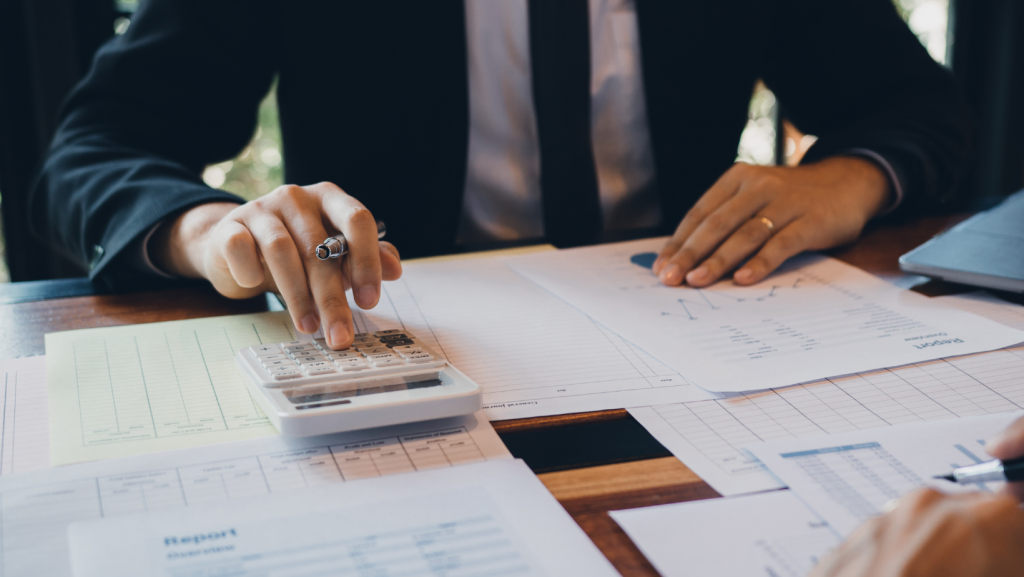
928 532
269 245
1008 447
337 246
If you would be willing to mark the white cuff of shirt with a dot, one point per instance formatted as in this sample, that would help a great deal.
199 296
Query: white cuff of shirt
878 159
141 259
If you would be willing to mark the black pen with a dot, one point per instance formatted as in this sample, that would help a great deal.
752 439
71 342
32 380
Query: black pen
1011 470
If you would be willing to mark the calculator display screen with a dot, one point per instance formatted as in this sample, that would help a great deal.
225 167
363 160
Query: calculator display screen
312 397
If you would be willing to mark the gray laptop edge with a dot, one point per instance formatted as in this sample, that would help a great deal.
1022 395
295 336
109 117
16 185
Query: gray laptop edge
986 250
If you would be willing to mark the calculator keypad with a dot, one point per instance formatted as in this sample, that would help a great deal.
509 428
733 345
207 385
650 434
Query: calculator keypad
387 349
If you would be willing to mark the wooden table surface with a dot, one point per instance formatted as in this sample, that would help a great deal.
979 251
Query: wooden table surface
587 493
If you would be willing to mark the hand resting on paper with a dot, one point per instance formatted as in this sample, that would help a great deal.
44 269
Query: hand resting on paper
931 534
771 213
268 245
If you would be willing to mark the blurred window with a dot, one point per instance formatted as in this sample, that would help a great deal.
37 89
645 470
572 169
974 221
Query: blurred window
259 168
927 19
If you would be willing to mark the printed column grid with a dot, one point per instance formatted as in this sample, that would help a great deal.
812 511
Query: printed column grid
972 385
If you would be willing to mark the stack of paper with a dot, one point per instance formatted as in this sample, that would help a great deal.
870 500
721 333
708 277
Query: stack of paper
845 444
299 506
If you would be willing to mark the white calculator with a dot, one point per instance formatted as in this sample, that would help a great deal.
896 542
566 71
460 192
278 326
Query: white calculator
385 378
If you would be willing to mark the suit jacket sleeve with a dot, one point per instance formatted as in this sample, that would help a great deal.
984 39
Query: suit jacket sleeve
179 90
851 72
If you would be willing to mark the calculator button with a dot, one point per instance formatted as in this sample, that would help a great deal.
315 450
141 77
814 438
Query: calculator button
400 343
263 350
317 364
290 343
353 367
399 348
409 352
310 359
384 355
284 363
282 369
311 370
339 355
299 348
286 375
387 362
266 358
375 351
394 337
420 358
380 334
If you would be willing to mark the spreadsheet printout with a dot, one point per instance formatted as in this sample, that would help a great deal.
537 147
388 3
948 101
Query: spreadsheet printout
37 507
480 520
769 534
848 478
531 353
25 433
815 317
119 391
709 436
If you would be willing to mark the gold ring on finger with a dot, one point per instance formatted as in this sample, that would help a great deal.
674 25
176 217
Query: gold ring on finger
771 225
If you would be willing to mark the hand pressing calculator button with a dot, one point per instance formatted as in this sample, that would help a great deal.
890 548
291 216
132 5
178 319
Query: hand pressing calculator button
368 357
386 377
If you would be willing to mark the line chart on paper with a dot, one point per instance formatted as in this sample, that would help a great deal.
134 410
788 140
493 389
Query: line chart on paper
814 317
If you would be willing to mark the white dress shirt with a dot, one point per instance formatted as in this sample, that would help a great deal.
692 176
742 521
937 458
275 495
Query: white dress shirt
502 198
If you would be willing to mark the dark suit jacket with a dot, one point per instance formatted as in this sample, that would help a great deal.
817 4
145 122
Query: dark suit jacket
373 97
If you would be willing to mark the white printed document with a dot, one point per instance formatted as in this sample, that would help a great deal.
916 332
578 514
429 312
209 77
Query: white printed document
486 519
24 432
814 318
37 507
848 478
709 436
531 353
127 390
769 534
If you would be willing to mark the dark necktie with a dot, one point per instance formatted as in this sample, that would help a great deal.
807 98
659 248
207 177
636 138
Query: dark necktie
560 60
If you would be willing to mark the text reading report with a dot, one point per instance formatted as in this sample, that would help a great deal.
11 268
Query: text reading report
848 478
709 436
814 318
36 508
485 519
